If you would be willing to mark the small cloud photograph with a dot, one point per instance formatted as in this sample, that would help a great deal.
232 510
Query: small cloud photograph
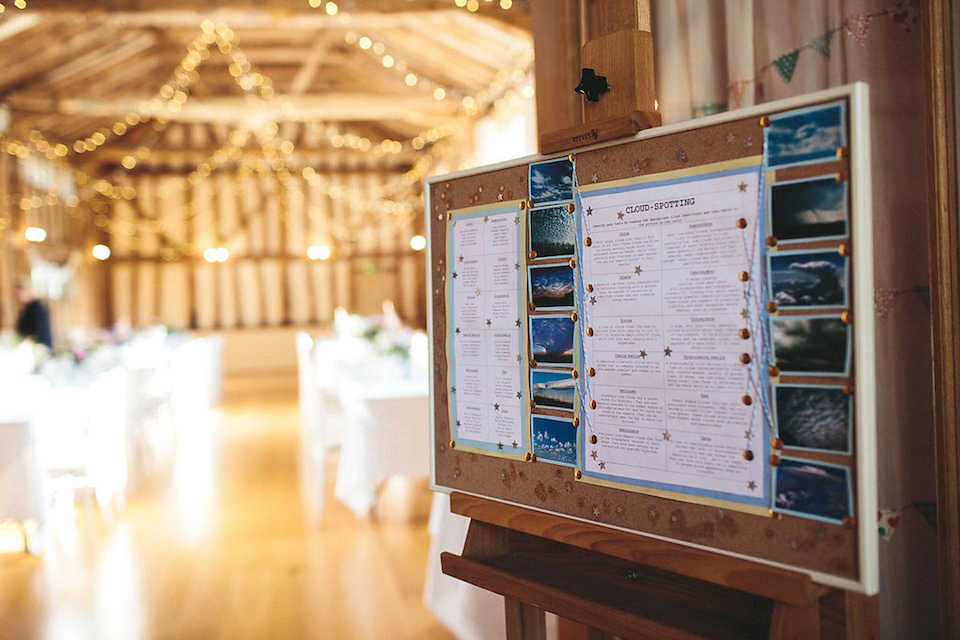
553 232
810 344
808 209
553 389
805 136
552 286
551 181
551 339
554 439
811 417
808 279
813 489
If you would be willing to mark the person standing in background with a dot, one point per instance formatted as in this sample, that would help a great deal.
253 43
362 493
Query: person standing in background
34 319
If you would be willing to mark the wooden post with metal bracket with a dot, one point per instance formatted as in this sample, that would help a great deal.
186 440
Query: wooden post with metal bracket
614 68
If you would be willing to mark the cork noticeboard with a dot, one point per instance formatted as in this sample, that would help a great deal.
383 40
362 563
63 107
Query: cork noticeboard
661 335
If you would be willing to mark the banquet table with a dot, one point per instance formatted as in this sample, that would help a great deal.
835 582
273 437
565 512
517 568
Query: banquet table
386 432
22 489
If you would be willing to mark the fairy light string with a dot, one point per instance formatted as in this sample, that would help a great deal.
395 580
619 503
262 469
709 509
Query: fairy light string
398 196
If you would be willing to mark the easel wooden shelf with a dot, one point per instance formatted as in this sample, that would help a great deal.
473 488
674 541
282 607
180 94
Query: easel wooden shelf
633 586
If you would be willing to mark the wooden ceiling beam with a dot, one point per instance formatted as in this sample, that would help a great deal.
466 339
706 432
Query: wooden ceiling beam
17 24
193 156
335 107
93 64
310 64
257 17
50 50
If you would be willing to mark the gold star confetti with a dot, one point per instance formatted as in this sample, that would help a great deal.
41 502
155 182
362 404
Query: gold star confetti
742 186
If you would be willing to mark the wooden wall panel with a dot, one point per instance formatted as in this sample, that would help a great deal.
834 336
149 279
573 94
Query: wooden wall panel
322 290
205 291
158 273
272 285
122 285
298 293
272 228
170 200
145 311
249 296
174 299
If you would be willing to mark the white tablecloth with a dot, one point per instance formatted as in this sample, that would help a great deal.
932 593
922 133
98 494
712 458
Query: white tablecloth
22 490
387 433
21 483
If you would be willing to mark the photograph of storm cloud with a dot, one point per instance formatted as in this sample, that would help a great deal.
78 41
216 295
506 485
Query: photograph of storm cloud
551 339
553 232
554 439
813 489
551 181
813 417
808 209
810 344
551 286
805 136
554 389
808 279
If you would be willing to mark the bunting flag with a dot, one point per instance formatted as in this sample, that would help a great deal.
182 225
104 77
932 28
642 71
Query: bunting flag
858 26
786 63
822 44
905 13
887 521
927 510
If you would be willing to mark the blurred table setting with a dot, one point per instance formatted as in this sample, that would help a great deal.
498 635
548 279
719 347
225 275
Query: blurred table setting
365 389
95 420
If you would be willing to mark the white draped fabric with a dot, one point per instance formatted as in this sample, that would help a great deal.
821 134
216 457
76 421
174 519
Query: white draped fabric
712 55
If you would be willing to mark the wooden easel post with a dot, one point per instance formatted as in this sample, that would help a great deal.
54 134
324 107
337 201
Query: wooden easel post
616 45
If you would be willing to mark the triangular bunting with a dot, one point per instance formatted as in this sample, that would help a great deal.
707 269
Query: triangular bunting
887 521
786 63
858 26
822 43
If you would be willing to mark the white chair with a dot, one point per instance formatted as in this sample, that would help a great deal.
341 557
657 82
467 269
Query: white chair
82 441
315 442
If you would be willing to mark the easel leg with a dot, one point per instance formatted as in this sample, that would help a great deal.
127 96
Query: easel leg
862 616
570 630
524 621
793 622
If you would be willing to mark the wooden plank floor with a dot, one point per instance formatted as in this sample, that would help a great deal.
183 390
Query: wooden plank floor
223 548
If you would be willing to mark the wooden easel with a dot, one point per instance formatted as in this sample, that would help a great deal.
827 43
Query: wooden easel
619 584
603 582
